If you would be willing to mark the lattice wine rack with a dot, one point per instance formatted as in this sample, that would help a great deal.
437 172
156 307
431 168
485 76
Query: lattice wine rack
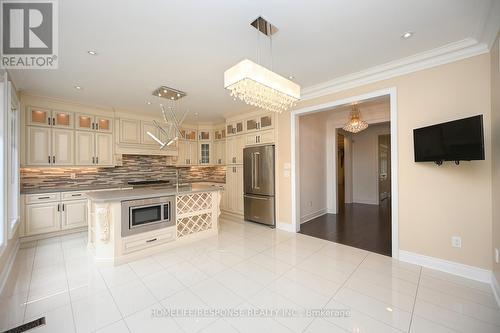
194 213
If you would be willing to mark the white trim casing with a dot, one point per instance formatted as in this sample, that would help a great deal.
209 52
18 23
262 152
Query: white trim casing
285 227
5 272
295 136
466 271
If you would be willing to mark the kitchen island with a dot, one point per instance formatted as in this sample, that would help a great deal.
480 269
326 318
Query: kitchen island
188 213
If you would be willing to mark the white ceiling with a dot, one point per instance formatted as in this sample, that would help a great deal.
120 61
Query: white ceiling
187 44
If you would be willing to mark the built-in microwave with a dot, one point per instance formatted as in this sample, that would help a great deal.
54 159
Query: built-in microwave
147 214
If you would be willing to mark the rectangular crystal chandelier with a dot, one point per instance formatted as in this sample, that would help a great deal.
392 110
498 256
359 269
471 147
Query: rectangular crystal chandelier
260 87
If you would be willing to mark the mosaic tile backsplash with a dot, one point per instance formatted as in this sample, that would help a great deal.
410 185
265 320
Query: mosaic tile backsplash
135 167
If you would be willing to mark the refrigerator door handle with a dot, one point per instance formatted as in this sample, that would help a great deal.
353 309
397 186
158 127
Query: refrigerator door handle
257 198
255 167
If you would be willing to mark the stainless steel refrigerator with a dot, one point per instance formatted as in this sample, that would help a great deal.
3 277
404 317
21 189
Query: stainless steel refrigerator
258 178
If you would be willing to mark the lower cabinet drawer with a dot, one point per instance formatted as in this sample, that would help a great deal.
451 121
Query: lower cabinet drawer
44 197
73 195
140 242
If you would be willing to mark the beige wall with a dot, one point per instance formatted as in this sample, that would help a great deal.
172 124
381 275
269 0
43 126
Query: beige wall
313 183
365 164
495 129
435 203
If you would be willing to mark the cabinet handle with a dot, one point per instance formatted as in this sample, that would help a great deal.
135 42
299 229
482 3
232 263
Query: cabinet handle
48 119
54 121
63 207
53 159
49 159
41 198
97 126
151 240
58 207
76 195
97 160
93 160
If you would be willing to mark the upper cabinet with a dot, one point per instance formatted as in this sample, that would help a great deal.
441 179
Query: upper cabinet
189 134
204 135
86 122
130 131
234 128
258 123
220 134
49 118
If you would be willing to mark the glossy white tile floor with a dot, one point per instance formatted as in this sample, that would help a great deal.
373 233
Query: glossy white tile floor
246 266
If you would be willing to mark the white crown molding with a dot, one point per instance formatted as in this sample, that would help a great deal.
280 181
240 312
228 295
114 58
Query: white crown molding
439 56
466 271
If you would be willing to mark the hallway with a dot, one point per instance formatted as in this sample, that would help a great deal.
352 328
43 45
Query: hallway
367 227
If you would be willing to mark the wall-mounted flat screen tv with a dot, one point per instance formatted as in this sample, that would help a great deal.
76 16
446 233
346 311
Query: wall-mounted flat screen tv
458 140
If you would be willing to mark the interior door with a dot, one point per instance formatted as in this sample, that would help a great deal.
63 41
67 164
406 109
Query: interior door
63 147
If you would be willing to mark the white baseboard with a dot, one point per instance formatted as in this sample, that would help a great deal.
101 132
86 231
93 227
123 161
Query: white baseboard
496 288
466 271
312 216
4 274
365 202
285 226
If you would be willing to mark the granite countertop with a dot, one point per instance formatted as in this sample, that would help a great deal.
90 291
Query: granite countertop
147 192
84 188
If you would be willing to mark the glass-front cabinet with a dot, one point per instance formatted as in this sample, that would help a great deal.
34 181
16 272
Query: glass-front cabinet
259 123
204 153
220 134
204 135
87 122
188 134
234 128
49 118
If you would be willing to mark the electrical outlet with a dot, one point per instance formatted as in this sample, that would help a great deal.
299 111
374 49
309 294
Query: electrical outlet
72 175
496 255
310 203
456 241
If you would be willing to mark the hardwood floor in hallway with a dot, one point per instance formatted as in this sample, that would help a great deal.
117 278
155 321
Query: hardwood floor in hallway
367 227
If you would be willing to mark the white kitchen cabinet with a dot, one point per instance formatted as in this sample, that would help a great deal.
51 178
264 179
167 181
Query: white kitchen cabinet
74 214
103 149
235 128
84 144
193 152
188 152
219 152
89 122
259 123
205 153
220 134
234 189
49 118
38 150
130 131
63 151
43 218
204 134
189 134
260 137
94 149
234 149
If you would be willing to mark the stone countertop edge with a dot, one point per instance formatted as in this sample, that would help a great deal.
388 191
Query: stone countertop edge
90 188
144 193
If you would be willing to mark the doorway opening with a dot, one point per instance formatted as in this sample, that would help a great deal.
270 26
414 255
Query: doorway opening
356 205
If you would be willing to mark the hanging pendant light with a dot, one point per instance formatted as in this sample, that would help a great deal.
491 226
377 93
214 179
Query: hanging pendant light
355 123
258 86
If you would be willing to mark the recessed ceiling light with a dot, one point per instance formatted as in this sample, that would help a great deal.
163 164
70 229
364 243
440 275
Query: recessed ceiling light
407 35
291 77
389 309
148 102
92 52
196 113
78 88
